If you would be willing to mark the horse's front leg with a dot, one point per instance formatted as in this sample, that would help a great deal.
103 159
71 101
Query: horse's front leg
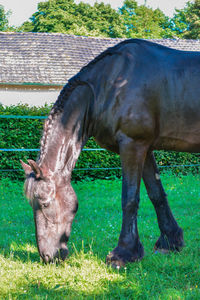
171 237
129 248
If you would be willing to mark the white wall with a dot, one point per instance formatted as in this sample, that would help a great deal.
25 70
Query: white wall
32 96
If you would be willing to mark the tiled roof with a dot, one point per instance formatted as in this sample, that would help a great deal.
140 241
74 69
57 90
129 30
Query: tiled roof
46 58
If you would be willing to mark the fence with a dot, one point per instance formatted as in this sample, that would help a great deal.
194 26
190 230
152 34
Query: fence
87 149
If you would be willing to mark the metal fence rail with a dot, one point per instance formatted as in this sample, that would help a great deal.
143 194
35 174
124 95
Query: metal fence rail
86 149
104 169
21 117
27 150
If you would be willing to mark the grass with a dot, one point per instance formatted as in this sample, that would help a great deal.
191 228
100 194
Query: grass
95 232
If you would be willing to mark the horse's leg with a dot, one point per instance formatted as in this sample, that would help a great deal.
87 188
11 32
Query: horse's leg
129 248
171 234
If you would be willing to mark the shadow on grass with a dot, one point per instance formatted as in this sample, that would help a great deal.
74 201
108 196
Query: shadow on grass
21 254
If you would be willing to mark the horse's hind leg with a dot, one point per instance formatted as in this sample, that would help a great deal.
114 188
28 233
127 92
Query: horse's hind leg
171 234
129 248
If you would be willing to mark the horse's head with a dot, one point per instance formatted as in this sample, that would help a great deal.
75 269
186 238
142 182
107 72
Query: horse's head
54 205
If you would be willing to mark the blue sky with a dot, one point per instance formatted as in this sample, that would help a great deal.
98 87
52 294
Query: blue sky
23 9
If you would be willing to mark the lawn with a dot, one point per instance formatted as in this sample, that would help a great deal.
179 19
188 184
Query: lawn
84 275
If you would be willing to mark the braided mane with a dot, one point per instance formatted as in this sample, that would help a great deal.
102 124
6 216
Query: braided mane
68 89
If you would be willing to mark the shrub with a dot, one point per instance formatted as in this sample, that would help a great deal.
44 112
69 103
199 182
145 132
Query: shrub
26 133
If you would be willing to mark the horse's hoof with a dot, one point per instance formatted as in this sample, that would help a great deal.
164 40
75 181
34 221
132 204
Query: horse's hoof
173 242
114 261
119 257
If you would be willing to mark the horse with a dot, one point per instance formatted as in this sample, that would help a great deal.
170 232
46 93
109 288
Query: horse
133 98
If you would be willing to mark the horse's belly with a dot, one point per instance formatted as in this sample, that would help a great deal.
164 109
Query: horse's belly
177 144
180 130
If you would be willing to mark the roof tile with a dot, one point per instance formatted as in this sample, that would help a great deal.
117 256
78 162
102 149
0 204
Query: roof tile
52 58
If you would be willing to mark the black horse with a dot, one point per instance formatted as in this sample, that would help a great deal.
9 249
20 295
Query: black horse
133 98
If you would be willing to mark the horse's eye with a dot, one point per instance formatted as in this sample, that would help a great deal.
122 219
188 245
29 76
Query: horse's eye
45 205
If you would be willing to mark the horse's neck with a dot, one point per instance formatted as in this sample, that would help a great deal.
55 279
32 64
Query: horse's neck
65 142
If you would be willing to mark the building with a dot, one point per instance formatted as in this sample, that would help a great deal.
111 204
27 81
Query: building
35 66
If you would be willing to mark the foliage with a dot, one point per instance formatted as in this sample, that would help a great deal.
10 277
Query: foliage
84 275
193 19
79 19
131 21
3 19
144 22
186 22
26 133
178 24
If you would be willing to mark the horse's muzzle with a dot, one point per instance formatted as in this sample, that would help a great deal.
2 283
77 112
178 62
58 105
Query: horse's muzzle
60 255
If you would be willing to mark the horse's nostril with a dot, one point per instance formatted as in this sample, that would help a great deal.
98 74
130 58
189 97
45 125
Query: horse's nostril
63 253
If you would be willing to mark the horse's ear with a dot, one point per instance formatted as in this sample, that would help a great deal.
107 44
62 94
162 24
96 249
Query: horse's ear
26 167
35 168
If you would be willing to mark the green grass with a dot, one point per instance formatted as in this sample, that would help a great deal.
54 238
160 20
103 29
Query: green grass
95 232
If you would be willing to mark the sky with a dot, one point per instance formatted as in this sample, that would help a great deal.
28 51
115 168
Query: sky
23 9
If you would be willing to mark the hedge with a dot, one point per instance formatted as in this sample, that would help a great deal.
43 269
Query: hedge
26 133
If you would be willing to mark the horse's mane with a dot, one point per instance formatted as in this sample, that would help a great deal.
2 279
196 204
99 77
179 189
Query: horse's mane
69 88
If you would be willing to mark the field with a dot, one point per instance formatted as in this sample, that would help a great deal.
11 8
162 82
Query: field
95 232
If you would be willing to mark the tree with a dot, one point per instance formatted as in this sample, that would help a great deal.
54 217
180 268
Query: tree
144 22
3 19
131 20
186 22
193 20
180 22
81 19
